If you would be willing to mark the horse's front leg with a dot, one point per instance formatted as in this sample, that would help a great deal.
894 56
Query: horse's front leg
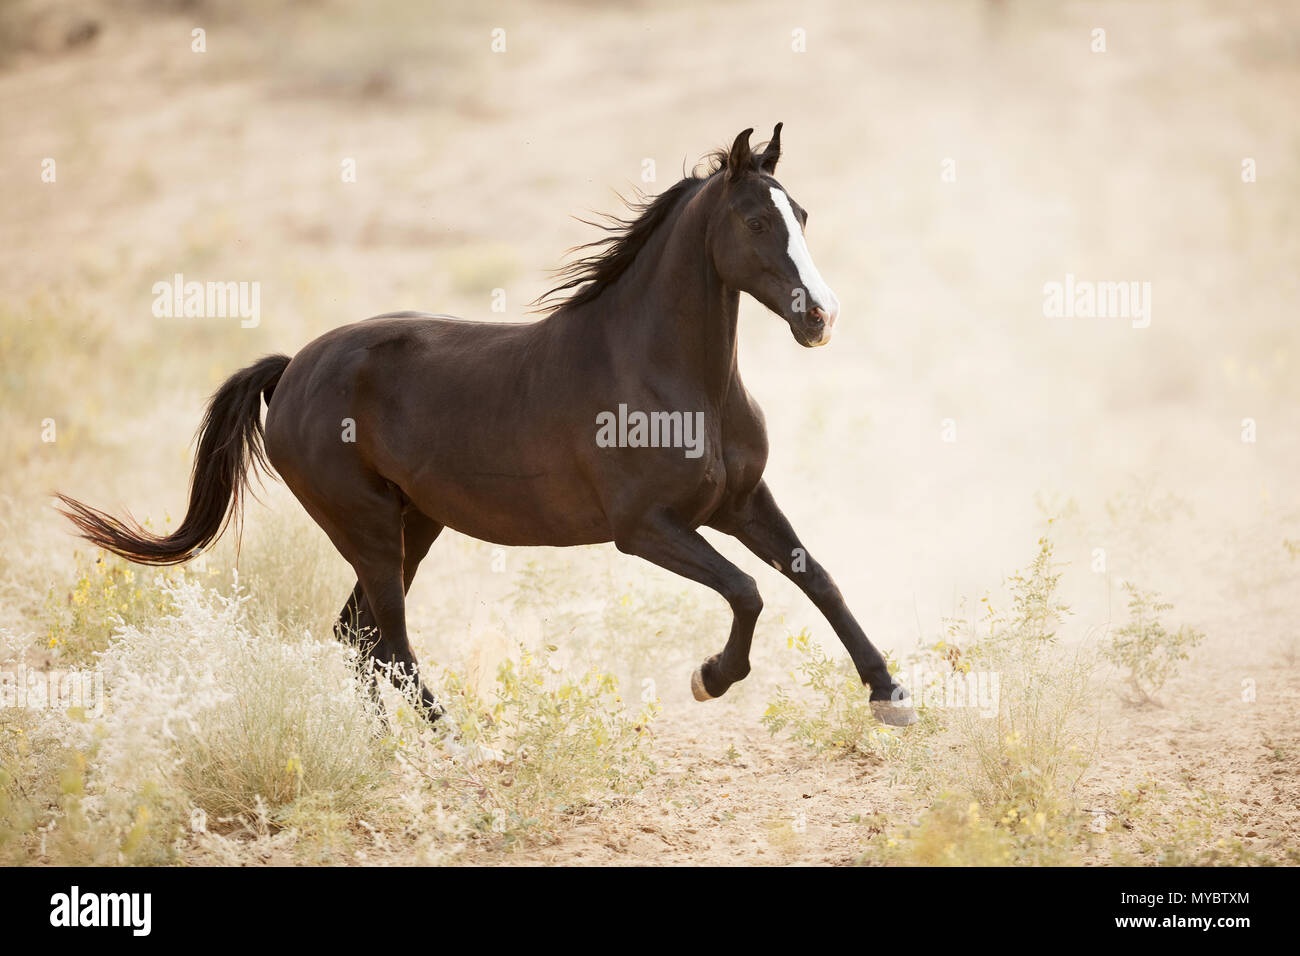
758 523
664 541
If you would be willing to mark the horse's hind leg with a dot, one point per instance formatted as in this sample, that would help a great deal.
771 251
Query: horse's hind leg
418 534
372 537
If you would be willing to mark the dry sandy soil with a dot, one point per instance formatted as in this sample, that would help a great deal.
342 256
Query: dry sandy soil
1122 165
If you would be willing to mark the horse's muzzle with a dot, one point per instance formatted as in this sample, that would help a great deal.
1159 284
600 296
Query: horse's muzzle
814 328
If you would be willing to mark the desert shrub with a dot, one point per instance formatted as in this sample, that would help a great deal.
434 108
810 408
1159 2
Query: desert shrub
534 754
204 718
254 718
29 785
225 737
1149 653
204 712
1031 753
833 711
294 723
57 807
1000 780
105 594
955 831
57 803
30 561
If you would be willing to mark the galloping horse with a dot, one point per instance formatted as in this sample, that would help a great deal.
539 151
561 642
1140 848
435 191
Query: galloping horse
492 428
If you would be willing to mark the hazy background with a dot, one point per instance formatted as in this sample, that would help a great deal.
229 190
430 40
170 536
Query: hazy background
1115 166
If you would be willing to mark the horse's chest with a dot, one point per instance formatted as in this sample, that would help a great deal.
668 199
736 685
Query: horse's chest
704 489
729 467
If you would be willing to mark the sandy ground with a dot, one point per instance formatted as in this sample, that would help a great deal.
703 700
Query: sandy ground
1122 165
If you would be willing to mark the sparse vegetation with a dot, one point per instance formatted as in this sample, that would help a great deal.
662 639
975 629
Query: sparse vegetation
542 749
106 594
223 728
1181 825
1001 785
1029 756
833 713
954 831
1145 649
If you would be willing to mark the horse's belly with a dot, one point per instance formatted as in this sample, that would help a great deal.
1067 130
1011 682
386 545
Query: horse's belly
515 509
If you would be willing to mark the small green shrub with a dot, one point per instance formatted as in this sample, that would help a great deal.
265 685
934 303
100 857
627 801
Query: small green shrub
1030 754
1149 653
834 712
239 720
535 754
1000 781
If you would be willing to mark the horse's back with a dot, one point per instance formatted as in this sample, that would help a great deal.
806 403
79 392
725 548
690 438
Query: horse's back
461 415
385 344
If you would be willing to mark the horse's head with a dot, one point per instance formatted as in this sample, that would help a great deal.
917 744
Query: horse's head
757 243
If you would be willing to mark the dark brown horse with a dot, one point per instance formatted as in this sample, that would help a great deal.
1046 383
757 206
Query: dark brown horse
620 416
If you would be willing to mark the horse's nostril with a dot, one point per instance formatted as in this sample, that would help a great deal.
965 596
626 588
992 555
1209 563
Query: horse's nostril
824 317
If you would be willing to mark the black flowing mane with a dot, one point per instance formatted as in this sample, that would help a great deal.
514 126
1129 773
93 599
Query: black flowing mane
592 274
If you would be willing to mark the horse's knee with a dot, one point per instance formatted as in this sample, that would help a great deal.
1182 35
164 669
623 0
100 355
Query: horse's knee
745 600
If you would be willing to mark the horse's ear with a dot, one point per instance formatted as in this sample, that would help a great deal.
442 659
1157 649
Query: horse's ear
740 159
767 159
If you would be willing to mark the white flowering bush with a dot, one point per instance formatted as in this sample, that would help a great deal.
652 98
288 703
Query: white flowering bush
227 736
207 722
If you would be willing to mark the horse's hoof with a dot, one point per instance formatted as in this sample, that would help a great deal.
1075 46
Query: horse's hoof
894 712
697 685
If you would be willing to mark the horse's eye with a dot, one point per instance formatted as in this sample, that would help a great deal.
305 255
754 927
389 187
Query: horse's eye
755 225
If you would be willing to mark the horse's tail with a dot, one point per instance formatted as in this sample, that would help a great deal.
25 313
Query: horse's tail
229 443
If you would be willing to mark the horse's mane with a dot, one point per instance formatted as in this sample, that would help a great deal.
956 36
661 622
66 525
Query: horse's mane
592 274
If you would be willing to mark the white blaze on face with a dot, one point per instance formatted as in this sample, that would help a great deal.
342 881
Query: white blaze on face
819 292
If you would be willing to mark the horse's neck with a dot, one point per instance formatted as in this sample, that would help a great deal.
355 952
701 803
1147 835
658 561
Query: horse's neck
673 309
